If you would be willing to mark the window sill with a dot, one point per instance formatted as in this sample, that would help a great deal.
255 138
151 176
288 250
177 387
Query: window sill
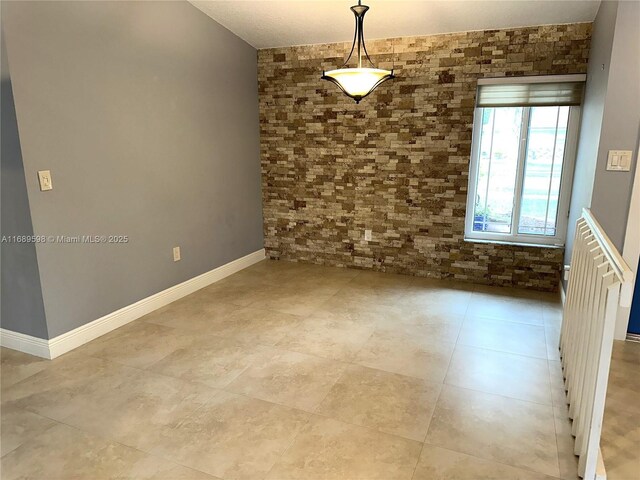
517 244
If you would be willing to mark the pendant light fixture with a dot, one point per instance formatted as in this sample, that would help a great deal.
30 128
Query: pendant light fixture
358 82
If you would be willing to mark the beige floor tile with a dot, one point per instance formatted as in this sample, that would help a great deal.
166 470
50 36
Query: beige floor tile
515 376
558 393
74 364
407 314
310 281
493 427
135 413
202 299
213 361
271 271
623 391
552 338
422 320
543 298
178 472
289 378
320 270
400 315
328 279
364 313
238 295
382 280
196 315
71 382
625 354
384 401
17 426
239 289
266 327
434 329
410 327
398 352
375 288
512 309
293 300
16 366
62 452
233 437
360 294
619 444
504 336
150 467
246 323
442 464
426 283
138 344
552 314
328 449
621 426
439 309
568 462
328 335
454 298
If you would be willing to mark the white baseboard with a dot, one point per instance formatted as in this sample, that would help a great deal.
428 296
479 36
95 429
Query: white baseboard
633 337
79 336
24 343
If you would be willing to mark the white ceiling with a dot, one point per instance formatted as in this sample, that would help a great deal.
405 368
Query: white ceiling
270 23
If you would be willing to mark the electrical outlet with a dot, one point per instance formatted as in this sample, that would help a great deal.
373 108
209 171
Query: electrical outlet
44 177
367 235
176 254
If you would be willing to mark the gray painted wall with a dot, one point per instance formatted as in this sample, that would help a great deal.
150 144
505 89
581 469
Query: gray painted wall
620 125
146 113
610 120
592 114
21 306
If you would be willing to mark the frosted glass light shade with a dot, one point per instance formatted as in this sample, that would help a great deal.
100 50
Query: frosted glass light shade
358 82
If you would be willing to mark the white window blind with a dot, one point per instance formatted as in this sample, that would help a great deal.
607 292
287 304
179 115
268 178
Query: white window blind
530 91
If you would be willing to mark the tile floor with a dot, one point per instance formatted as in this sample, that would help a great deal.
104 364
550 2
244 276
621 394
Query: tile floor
620 441
289 371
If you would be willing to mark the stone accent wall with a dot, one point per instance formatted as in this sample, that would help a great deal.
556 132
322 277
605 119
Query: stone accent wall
397 163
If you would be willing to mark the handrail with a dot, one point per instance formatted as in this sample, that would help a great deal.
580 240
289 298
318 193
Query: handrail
619 265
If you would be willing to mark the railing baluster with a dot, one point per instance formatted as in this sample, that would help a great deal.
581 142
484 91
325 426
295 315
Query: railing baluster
595 334
569 307
577 349
598 275
586 244
583 353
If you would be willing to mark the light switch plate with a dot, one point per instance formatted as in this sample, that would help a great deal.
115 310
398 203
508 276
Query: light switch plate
619 160
176 254
44 177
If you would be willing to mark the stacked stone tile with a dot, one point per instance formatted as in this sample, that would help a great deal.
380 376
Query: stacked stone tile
397 163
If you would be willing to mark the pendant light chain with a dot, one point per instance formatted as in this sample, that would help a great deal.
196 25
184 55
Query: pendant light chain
393 54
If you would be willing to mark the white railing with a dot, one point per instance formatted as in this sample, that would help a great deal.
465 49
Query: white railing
599 281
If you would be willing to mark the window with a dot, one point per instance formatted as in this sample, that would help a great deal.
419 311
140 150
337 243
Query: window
521 169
